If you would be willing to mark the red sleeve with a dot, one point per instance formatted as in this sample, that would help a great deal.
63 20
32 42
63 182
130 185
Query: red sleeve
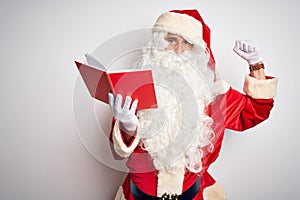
243 112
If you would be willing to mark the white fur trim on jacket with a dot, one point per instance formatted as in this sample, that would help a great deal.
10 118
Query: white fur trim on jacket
260 89
170 183
181 24
120 147
214 192
120 194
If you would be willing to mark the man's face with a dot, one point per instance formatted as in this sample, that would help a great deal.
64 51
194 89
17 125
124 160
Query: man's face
177 44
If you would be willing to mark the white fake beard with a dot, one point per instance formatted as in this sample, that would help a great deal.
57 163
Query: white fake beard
174 134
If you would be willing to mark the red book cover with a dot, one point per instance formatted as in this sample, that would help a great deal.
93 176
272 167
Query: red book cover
138 84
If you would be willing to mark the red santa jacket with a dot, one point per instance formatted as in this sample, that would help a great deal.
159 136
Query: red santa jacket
231 110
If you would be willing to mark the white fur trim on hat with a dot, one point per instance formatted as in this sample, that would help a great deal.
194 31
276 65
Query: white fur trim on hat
260 89
181 24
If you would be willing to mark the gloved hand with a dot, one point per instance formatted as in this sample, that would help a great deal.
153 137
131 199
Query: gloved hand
247 50
126 116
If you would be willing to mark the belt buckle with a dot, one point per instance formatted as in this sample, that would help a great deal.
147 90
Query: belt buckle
167 196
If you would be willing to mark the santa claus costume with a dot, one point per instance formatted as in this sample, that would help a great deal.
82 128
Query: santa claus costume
174 145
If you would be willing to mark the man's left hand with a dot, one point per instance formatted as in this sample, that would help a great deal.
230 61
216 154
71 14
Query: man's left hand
248 51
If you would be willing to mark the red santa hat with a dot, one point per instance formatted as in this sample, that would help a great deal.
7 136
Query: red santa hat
188 24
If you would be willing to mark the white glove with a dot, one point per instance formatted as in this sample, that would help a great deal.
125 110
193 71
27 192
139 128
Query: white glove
247 50
126 116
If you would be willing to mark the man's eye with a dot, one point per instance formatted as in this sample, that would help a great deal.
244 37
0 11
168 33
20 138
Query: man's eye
172 41
186 43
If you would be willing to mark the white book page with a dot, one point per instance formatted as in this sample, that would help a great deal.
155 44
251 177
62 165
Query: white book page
94 62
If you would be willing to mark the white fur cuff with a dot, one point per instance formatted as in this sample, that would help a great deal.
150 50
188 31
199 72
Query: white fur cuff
260 89
120 147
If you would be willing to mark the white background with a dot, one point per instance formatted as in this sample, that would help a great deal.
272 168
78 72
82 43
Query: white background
42 154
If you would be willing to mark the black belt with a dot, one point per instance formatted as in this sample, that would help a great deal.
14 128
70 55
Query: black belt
187 195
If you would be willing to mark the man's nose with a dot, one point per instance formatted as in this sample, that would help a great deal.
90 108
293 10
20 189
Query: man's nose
179 49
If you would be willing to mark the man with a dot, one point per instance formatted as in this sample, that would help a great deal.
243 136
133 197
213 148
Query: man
171 148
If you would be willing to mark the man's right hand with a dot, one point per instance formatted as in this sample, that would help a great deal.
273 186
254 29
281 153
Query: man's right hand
126 114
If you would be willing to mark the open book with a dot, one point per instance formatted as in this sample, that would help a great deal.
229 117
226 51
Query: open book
137 83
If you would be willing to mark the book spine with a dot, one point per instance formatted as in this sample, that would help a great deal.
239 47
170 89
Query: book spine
110 84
